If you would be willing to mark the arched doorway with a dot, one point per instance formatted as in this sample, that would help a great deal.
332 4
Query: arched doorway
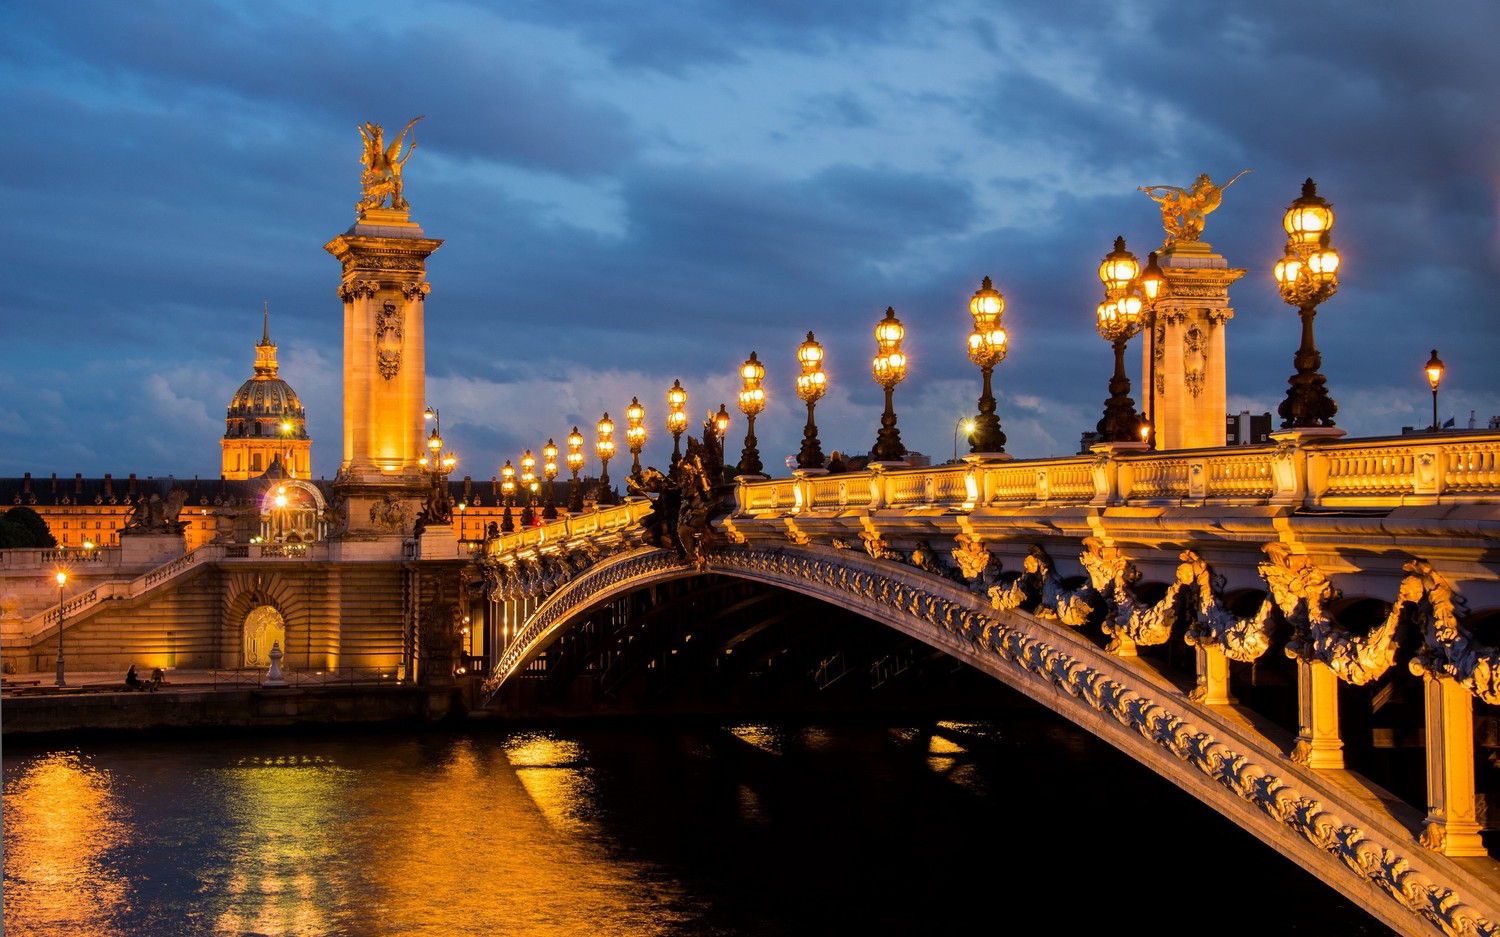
264 626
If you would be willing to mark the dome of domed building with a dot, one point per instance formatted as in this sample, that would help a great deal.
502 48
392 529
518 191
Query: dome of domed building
266 422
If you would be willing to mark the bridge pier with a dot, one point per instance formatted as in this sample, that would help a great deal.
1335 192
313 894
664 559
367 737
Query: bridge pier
1452 812
1213 678
1319 744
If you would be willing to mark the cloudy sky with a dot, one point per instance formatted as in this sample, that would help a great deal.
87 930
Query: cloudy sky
632 193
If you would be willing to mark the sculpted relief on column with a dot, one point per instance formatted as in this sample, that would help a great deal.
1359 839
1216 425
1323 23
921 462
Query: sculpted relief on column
390 335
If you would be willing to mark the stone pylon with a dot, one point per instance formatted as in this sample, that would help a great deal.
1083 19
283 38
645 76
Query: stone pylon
1182 350
380 485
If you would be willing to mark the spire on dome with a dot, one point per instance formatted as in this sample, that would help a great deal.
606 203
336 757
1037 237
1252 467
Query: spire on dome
265 350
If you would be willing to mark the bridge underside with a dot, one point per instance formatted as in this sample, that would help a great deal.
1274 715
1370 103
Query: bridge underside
809 628
722 644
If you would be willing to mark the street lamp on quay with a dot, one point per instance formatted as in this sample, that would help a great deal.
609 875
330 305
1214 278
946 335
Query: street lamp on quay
507 495
438 463
605 449
62 580
1434 378
987 348
752 401
635 435
677 418
575 463
889 369
811 384
720 423
966 426
1307 276
549 472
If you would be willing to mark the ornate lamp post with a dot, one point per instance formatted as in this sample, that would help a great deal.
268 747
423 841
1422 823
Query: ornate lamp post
752 401
635 435
1119 319
575 462
677 418
605 448
62 580
1434 378
1307 276
549 471
889 368
811 384
528 485
507 495
987 349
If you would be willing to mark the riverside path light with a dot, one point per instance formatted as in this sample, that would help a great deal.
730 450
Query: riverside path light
752 401
677 418
605 449
987 348
507 495
889 369
1434 378
811 384
62 580
1307 276
549 472
635 435
575 462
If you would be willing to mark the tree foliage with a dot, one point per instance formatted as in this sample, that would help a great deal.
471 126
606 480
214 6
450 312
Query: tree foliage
23 527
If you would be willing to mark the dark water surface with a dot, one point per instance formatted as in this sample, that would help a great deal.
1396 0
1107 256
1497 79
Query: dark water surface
1019 823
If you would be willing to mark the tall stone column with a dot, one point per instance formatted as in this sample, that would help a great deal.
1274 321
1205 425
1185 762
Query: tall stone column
1183 351
384 285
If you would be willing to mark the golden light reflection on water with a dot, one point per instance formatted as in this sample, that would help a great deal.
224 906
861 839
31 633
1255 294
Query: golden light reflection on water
766 738
510 848
285 877
411 838
60 820
950 759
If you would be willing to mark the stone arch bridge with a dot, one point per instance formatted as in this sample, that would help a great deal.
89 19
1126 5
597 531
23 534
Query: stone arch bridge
1302 636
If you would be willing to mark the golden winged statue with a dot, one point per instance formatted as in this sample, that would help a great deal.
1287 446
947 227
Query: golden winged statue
383 163
1183 211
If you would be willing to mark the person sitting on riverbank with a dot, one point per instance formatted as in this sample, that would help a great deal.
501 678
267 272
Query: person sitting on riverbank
132 682
157 676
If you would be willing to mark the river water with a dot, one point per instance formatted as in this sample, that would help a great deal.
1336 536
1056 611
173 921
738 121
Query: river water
877 826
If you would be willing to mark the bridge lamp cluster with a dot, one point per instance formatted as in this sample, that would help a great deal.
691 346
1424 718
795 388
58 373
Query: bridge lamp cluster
605 449
1307 275
1130 296
889 369
575 463
549 472
677 419
507 495
752 401
987 348
812 383
635 435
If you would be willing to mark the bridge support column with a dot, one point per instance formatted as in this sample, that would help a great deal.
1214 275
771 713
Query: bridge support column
1318 742
1452 825
1213 678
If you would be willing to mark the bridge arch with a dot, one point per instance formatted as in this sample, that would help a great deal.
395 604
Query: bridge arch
1366 851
